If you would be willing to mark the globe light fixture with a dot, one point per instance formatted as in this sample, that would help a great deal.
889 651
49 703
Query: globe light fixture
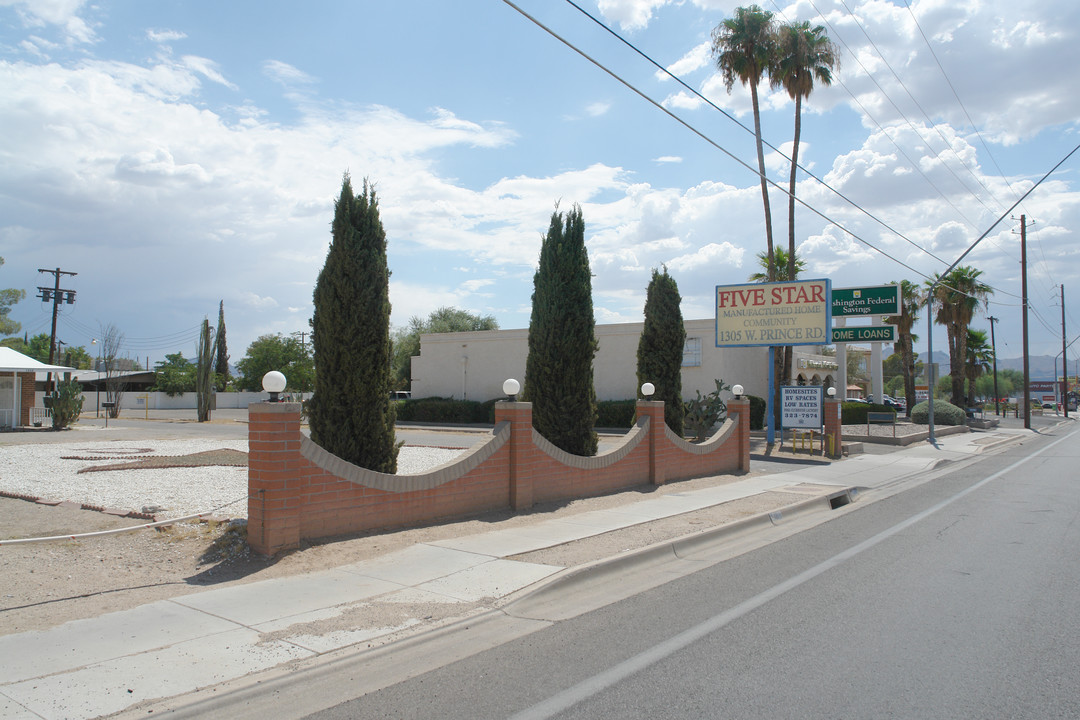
647 389
831 392
738 391
273 382
511 387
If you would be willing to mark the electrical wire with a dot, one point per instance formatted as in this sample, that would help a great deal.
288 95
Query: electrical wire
707 139
765 142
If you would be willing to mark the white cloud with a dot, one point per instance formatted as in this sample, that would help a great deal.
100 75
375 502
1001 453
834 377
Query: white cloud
286 74
597 109
698 57
630 14
164 36
668 159
63 14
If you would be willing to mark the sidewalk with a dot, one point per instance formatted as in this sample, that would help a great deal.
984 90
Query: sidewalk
87 668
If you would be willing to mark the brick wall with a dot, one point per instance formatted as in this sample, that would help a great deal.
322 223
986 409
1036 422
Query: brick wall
297 491
26 397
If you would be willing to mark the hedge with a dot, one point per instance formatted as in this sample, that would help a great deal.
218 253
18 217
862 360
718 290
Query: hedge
446 410
757 412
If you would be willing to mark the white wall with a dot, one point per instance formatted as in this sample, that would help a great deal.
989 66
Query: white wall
473 365
160 401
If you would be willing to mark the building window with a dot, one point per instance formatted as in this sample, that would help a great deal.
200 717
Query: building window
691 354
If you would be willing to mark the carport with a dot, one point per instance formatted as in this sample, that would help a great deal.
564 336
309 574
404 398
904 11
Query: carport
17 398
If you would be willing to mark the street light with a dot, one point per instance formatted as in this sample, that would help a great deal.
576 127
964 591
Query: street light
274 383
97 382
511 387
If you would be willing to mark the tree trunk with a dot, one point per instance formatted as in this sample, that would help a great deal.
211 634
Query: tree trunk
791 188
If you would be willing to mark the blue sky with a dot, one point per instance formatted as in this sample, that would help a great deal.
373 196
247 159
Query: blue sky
175 154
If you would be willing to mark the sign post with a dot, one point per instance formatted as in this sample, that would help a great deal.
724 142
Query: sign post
771 315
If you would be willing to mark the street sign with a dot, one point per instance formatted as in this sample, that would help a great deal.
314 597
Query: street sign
863 302
801 406
876 333
783 313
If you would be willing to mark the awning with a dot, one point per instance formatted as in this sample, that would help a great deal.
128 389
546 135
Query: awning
14 361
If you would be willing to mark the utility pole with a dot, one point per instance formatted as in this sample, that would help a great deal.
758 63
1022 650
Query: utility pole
1024 320
1064 362
55 293
993 349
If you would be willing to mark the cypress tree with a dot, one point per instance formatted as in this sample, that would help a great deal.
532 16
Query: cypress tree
221 366
660 349
562 339
350 413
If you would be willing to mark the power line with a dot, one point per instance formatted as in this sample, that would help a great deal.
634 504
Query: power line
706 138
735 120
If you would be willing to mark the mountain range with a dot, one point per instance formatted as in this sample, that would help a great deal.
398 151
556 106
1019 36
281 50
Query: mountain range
1040 367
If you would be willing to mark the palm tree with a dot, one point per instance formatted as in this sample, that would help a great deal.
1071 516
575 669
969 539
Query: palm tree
977 361
803 54
958 295
784 264
911 301
744 47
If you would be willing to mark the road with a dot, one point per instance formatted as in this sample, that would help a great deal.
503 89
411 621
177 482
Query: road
955 598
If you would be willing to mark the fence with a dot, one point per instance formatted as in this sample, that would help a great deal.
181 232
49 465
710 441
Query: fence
298 491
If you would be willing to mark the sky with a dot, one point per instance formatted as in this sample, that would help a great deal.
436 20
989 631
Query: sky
177 154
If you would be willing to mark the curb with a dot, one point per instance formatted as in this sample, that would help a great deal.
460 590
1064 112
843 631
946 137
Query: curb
680 548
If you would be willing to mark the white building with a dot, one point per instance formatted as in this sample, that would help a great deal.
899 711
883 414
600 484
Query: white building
473 365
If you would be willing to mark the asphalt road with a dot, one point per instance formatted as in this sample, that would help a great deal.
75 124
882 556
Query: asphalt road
956 598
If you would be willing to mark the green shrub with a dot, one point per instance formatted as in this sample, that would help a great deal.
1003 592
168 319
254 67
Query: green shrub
66 404
445 410
616 413
945 413
757 412
854 413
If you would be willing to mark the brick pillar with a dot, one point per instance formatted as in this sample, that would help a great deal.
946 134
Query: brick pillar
273 469
519 415
26 398
654 409
834 429
741 409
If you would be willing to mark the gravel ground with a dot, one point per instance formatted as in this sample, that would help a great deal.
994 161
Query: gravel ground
51 472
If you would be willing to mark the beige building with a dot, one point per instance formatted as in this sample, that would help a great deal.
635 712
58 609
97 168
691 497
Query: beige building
473 365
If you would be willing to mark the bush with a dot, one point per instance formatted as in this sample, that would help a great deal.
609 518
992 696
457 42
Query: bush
757 412
854 413
446 410
945 413
616 413
66 404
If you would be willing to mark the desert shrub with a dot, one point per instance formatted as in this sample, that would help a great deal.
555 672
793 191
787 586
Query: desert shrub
945 413
616 413
67 403
702 413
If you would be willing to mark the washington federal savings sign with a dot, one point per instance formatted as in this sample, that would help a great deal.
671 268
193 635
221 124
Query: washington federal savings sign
783 313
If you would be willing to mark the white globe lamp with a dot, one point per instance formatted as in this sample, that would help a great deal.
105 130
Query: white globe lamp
511 388
274 383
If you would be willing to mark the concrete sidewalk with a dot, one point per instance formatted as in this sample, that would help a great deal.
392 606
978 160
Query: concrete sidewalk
87 668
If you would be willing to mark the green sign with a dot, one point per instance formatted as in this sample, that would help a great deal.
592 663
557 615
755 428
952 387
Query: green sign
878 333
855 302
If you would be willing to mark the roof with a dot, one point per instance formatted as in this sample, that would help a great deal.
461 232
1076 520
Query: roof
14 361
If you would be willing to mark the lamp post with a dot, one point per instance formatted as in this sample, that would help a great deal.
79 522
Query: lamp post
274 383
511 387
97 382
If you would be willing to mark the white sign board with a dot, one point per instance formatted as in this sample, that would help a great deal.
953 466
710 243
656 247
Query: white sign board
800 407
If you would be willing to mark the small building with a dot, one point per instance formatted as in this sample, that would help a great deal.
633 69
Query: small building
473 365
17 381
